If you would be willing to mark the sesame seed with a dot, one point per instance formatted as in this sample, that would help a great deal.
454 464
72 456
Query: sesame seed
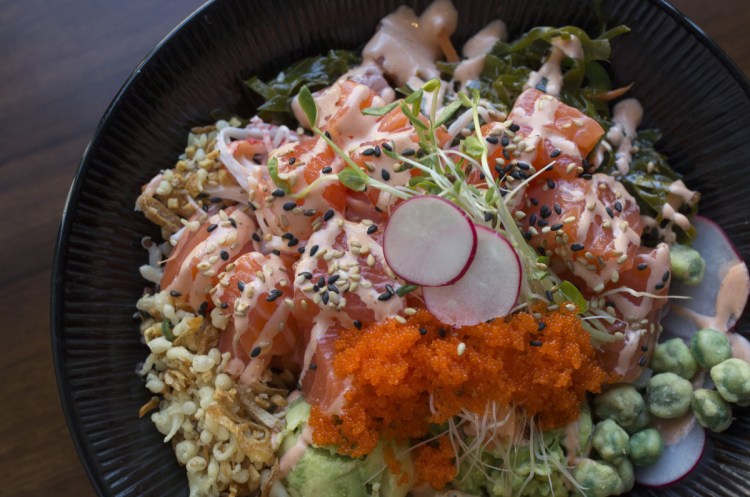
224 305
542 223
618 206
255 352
642 361
555 153
609 212
492 139
665 276
175 293
461 349
326 170
535 343
273 295
372 229
241 285
576 247
377 151
357 324
212 227
556 227
659 286
532 219
550 184
541 326
313 250
385 296
442 332
328 215
641 266
289 205
514 127
385 175
408 152
278 193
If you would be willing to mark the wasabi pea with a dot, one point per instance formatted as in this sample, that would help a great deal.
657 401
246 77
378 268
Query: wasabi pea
646 447
673 356
627 475
710 347
597 478
622 404
610 441
711 410
687 264
668 396
732 380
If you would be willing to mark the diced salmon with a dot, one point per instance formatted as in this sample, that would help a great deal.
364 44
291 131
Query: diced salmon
201 255
253 293
590 229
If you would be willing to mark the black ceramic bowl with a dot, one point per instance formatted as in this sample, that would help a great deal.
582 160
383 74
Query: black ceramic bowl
687 85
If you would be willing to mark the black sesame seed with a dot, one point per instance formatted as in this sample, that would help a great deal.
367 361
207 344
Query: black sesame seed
289 205
659 286
487 217
642 361
482 176
301 250
644 348
256 237
276 252
618 206
585 163
641 266
325 298
233 222
203 308
514 127
532 219
224 305
293 242
313 366
328 134
556 152
274 294
287 236
577 247
255 352
507 168
212 227
665 276
523 166
533 201
387 147
505 141
241 285
389 289
377 151
558 209
408 152
442 332
556 227
506 154
333 288
357 324
586 176
326 170
535 343
368 151
322 281
542 223
278 193
215 200
313 250
292 160
541 326
550 184
423 331
328 215
175 293
610 213
306 274
527 235
492 139
384 296
385 175
545 211
224 255
372 229
548 294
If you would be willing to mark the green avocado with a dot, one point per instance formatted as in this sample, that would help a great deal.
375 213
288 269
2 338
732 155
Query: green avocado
321 471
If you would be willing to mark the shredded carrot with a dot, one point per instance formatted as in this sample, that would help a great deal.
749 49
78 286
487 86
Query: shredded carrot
403 380
435 465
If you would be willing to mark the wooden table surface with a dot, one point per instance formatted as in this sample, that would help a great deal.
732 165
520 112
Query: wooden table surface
62 63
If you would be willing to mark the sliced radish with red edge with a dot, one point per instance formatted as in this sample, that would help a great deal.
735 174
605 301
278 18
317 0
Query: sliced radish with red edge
721 256
677 461
429 241
488 290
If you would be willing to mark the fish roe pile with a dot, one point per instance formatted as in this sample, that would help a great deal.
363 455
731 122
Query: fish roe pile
406 377
435 464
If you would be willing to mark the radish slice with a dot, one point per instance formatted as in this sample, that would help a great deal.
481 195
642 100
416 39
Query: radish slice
489 289
677 461
429 241
718 301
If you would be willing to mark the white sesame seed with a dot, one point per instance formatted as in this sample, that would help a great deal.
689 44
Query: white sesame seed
461 349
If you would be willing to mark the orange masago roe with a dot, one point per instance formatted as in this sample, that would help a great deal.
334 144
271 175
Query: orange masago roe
407 377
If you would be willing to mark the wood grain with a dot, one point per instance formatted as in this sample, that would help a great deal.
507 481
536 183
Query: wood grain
62 63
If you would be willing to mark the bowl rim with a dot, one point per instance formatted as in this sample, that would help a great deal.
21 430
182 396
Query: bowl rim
95 477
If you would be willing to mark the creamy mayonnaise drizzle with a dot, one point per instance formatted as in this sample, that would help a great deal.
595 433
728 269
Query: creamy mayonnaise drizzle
406 46
551 70
626 117
678 195
475 50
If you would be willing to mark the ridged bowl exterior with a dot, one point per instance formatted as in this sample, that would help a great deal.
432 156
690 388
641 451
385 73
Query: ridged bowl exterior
686 84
